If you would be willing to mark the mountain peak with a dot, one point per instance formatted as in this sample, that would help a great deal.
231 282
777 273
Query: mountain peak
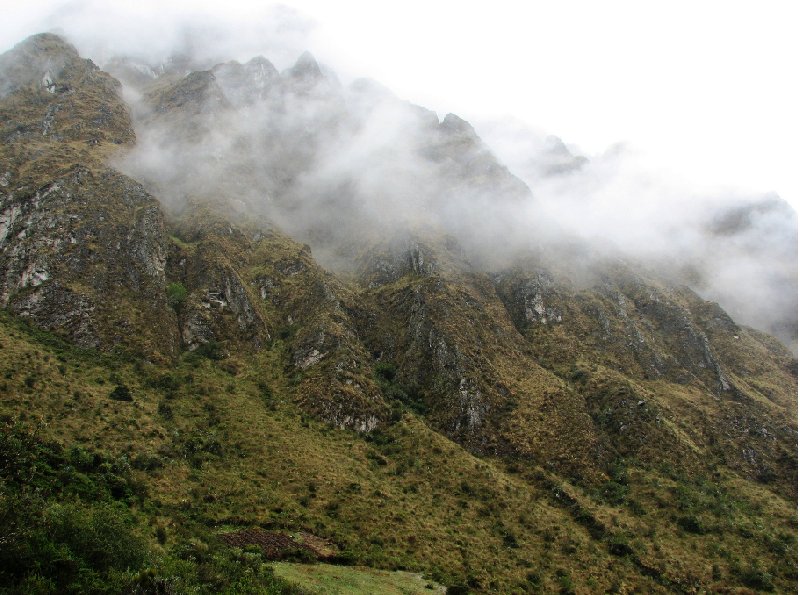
305 68
40 59
47 43
453 124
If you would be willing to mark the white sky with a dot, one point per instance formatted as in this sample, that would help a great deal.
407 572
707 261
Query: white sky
706 90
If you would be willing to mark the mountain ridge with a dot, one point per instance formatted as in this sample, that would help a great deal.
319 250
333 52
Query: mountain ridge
565 378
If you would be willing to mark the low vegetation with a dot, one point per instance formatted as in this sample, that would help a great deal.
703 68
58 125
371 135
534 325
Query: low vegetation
115 495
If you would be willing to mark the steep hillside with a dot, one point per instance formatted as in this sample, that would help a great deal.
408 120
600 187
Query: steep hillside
272 339
213 446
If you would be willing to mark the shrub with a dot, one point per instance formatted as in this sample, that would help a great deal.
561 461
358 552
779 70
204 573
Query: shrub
756 578
165 382
534 578
212 350
176 295
385 371
165 410
691 524
618 545
121 393
400 396
614 493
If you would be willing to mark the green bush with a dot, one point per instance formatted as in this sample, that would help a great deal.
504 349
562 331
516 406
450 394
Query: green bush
385 371
165 410
211 350
121 393
385 375
176 295
691 524
67 528
756 578
72 545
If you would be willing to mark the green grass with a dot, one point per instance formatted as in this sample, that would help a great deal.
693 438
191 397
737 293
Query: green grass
326 579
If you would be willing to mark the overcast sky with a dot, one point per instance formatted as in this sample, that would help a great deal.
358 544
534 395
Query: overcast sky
706 91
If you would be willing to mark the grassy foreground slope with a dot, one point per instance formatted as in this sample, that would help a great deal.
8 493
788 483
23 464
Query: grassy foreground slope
210 446
328 579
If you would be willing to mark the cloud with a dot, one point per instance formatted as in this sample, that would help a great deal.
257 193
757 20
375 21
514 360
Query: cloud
735 248
153 30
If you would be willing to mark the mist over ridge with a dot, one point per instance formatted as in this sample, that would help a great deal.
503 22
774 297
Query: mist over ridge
342 164
330 163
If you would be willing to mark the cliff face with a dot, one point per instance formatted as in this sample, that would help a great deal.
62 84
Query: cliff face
84 254
525 363
250 287
515 359
83 246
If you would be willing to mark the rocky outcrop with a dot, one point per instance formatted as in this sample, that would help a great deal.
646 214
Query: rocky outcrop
454 345
48 92
244 84
82 247
251 289
527 364
648 329
197 92
84 255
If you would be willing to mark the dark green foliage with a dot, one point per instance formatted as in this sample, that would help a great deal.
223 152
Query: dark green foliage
285 333
614 493
399 395
176 295
385 372
755 577
266 395
618 545
74 546
27 463
692 524
167 383
564 581
65 515
509 539
200 446
534 579
121 393
165 410
67 526
212 350
578 375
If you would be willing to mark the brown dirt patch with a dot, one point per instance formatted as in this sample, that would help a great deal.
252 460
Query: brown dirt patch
278 546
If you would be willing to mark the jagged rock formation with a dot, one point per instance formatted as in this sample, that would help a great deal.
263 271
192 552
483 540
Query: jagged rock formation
294 146
523 363
250 286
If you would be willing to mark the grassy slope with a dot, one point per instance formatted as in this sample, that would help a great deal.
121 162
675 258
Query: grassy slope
220 445
325 579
